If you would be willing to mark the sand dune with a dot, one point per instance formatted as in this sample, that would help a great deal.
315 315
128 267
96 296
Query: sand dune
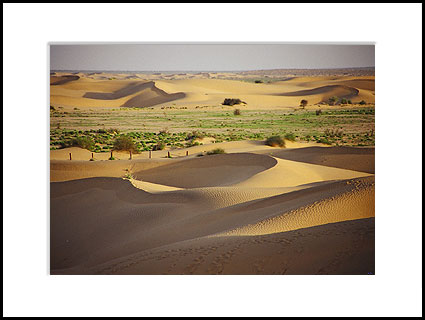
151 98
129 89
208 171
146 221
357 159
97 223
308 251
326 92
356 204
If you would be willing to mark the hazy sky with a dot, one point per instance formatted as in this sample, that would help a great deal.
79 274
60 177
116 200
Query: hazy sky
208 57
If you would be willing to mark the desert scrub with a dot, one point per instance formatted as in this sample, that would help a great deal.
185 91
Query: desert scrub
237 112
231 102
124 143
334 133
216 151
83 142
275 141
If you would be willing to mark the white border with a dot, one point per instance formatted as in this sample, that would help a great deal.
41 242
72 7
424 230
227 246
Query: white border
396 288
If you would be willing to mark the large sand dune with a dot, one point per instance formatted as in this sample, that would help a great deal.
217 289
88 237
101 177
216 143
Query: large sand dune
210 214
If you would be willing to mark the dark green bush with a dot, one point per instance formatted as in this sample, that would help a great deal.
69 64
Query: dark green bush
231 102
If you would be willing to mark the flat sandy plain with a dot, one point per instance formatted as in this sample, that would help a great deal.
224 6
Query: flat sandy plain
304 209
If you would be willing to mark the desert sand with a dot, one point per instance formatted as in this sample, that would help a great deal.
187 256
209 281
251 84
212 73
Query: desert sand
304 209
235 213
122 90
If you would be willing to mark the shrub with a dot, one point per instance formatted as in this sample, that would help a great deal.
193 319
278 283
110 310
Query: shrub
349 102
303 103
362 102
52 108
83 142
231 102
159 146
258 81
275 141
124 143
344 101
237 112
290 136
216 151
318 112
333 100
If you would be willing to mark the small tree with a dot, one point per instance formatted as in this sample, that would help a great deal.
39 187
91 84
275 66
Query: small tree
303 103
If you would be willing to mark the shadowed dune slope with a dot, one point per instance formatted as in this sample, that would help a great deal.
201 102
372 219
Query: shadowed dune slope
129 89
301 252
151 97
101 220
350 158
208 171
331 90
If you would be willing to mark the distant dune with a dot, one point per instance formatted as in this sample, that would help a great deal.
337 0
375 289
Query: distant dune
326 92
190 90
152 96
56 81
